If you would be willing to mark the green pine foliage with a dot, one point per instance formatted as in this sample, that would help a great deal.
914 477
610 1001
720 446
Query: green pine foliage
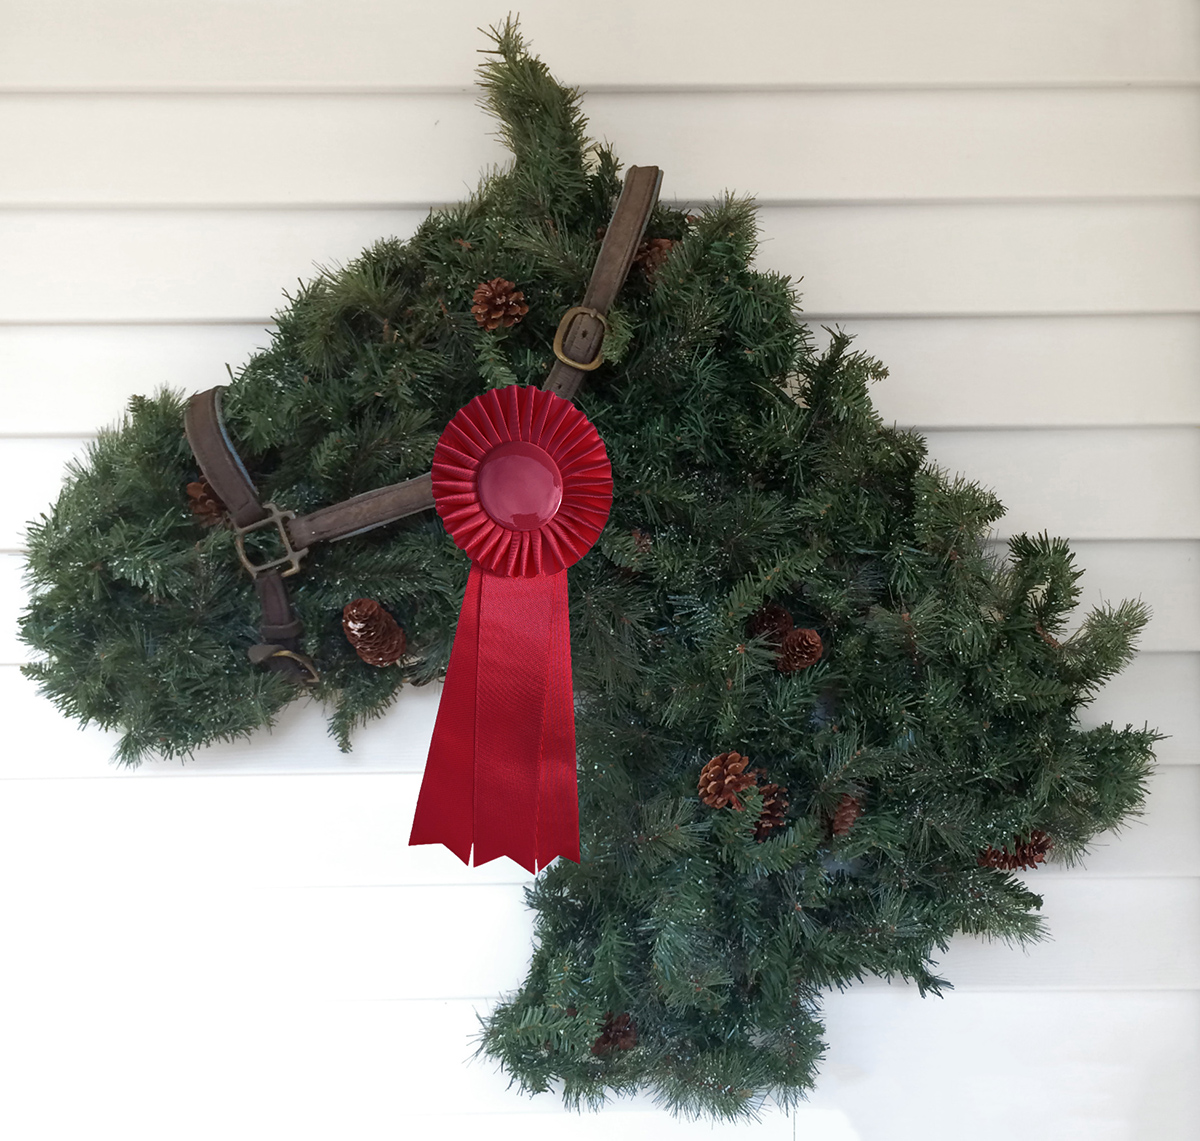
749 468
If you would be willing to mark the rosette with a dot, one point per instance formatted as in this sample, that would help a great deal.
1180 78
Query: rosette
523 485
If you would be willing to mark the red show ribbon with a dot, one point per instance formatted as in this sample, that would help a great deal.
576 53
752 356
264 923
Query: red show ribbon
523 484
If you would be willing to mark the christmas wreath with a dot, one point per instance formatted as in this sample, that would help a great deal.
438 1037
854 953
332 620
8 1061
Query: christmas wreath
821 721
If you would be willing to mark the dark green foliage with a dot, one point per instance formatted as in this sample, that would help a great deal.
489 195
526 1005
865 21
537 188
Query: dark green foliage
946 703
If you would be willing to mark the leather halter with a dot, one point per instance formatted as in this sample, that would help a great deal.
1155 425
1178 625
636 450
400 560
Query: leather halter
578 347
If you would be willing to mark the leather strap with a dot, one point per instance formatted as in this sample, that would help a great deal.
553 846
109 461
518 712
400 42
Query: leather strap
218 459
363 512
279 630
579 341
582 339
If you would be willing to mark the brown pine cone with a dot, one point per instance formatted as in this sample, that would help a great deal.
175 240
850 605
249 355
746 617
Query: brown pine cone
498 302
652 255
375 635
723 778
800 649
1025 853
774 808
641 541
619 1033
849 809
205 505
770 621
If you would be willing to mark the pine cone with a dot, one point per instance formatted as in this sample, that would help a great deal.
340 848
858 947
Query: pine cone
652 255
800 649
498 302
641 541
619 1033
723 778
772 622
774 808
1025 854
375 635
205 505
849 809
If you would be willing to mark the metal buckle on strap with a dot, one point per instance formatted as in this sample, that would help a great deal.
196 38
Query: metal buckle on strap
277 519
262 653
561 332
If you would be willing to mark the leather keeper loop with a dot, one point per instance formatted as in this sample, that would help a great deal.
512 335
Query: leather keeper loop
284 632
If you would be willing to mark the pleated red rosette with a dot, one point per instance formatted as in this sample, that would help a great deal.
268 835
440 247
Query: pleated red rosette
523 484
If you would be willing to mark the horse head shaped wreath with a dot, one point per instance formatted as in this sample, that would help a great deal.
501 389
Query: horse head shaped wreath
523 485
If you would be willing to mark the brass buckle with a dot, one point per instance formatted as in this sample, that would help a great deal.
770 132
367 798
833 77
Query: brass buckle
561 332
311 677
277 519
260 654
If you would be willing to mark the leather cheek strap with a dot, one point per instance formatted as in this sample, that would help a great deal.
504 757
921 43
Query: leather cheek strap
279 629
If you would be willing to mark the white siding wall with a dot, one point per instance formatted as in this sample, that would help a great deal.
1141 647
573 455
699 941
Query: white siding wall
1003 200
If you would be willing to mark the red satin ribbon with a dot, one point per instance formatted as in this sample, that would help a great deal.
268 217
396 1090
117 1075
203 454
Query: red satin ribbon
501 769
524 486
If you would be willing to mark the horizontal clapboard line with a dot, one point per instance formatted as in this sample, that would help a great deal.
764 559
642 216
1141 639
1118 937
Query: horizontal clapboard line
840 319
871 985
1162 572
321 1069
920 429
220 89
188 265
55 43
890 148
1093 484
512 876
195 770
154 207
266 323
260 826
296 849
1158 689
874 984
357 943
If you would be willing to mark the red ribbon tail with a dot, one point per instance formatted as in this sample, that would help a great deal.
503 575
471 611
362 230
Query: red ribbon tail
558 816
444 806
501 768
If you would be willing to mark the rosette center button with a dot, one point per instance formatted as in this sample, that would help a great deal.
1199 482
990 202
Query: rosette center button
519 486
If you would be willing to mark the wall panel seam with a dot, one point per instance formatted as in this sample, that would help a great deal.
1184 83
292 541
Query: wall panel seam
343 206
1115 83
843 320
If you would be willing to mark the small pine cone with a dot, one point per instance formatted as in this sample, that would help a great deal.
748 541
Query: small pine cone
205 505
1025 853
774 809
800 649
849 809
619 1033
498 302
641 541
723 778
375 635
772 622
652 255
